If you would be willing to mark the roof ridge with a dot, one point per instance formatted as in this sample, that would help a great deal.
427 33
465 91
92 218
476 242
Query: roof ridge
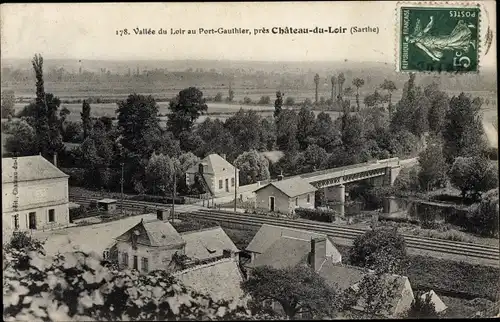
296 229
200 230
197 267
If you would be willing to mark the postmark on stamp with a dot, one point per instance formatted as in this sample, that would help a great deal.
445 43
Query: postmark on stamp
439 39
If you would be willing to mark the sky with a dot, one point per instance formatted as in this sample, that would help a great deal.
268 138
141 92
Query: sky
88 31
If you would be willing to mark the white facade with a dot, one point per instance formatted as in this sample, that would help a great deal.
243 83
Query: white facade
41 203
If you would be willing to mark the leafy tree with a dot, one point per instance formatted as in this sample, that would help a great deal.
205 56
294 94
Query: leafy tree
463 133
390 87
438 108
160 172
265 100
185 110
408 180
190 141
286 130
324 133
167 144
139 125
41 108
230 96
218 97
380 249
422 307
8 102
341 81
247 100
72 132
333 80
253 167
433 167
473 175
298 290
402 143
315 159
316 84
278 103
86 121
267 134
358 82
483 217
181 165
290 101
20 138
216 137
244 126
305 127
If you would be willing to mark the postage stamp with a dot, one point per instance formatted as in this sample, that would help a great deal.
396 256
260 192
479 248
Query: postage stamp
439 39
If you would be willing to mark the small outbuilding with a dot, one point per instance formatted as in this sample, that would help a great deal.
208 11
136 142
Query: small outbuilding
107 205
285 195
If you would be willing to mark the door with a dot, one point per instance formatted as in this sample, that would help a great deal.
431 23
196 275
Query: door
136 263
227 185
32 220
271 203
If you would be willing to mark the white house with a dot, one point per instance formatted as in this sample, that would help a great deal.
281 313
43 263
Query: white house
34 194
220 176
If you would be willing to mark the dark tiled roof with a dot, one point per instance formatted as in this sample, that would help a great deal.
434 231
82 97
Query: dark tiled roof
284 252
30 168
292 187
341 275
221 279
207 243
268 234
155 233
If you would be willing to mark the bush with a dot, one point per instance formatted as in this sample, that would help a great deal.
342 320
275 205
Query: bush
380 249
159 199
483 217
457 279
422 308
472 176
76 286
315 214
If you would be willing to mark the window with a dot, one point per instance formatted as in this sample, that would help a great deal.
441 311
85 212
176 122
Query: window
136 262
296 201
16 222
232 182
144 264
125 259
308 198
52 215
220 184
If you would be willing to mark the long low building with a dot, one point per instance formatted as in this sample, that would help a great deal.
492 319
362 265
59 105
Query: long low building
34 194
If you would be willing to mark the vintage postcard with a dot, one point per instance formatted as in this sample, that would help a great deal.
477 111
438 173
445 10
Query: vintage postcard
249 160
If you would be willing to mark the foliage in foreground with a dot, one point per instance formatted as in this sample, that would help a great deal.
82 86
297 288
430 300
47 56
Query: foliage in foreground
422 307
76 286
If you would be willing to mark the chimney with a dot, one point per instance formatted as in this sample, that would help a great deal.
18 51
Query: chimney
318 252
162 214
280 177
55 159
227 253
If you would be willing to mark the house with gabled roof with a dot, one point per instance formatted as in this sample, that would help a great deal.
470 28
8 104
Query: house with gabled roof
284 196
154 244
217 175
278 246
149 245
34 194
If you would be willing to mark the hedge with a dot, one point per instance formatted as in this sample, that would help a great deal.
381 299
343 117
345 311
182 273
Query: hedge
159 199
315 214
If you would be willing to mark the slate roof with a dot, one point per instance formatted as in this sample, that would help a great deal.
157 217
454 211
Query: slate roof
30 168
221 279
292 187
343 277
283 253
154 233
268 234
207 243
215 164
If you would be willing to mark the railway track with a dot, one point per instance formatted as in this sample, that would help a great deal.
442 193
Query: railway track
333 230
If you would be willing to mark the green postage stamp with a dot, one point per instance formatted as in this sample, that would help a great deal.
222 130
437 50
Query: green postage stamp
438 38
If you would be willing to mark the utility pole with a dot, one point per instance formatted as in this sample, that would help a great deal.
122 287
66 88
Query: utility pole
173 197
121 183
235 187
